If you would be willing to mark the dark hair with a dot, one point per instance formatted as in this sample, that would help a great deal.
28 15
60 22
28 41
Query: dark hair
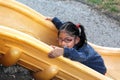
73 30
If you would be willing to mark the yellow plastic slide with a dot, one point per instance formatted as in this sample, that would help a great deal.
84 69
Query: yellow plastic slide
25 37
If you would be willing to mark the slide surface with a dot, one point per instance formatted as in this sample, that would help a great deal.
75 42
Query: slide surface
25 37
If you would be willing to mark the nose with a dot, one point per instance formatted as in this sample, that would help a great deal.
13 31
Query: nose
62 44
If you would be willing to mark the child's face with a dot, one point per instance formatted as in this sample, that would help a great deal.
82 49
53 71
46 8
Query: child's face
65 40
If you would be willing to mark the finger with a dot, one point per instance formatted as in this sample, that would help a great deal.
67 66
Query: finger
48 18
53 47
51 55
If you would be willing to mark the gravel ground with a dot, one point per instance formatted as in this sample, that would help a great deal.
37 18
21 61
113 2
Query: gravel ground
100 29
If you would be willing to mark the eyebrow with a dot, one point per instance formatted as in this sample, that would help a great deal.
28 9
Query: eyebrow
68 37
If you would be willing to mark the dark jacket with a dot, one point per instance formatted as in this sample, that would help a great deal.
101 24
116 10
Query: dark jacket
85 55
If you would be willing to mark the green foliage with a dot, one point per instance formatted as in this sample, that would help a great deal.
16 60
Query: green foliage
95 1
109 5
113 9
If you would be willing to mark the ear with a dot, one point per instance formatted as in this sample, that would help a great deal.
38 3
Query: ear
77 40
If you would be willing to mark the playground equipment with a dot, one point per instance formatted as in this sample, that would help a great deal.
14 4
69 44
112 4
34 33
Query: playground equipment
25 37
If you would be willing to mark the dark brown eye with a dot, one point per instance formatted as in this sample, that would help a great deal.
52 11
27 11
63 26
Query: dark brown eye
67 40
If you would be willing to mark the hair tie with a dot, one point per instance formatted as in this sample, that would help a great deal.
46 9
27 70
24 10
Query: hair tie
78 26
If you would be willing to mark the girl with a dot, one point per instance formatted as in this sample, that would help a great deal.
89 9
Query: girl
73 42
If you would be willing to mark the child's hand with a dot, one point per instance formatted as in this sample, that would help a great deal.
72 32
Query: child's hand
56 52
49 18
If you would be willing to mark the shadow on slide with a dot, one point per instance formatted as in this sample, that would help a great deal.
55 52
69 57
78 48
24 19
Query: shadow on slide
25 37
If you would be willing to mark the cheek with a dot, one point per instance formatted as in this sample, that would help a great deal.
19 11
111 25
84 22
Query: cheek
62 44
59 43
70 45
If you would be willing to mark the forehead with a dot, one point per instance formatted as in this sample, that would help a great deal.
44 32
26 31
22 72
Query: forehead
64 34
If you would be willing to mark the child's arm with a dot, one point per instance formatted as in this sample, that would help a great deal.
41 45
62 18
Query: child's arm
73 54
56 22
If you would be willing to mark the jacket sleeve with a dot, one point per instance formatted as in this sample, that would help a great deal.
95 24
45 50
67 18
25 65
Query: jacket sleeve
57 22
73 54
